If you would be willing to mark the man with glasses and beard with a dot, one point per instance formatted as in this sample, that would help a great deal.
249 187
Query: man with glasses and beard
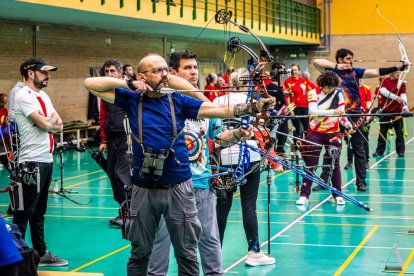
36 119
161 168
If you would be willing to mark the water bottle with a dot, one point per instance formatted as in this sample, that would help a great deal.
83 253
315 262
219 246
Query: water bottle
56 188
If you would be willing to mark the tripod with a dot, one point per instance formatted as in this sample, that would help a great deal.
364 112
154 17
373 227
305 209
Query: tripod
61 163
269 183
60 191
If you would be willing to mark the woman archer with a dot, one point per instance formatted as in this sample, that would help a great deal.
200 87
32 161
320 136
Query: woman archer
323 130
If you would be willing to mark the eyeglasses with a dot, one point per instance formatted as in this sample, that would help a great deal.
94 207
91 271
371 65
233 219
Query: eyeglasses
158 70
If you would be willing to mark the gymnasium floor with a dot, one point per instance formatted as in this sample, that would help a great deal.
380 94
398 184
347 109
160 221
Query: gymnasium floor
323 239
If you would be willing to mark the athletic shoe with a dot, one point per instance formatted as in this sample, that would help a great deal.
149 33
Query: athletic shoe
361 187
302 200
258 258
339 200
51 260
377 154
348 166
117 221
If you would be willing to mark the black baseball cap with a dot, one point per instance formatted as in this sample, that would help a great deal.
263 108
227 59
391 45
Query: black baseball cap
36 64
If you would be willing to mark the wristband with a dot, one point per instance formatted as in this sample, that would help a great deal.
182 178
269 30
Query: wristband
131 85
388 70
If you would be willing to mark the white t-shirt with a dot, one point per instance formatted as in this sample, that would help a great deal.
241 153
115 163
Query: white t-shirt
12 93
230 155
35 144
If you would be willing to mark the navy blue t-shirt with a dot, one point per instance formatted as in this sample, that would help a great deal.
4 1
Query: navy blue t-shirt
350 86
157 133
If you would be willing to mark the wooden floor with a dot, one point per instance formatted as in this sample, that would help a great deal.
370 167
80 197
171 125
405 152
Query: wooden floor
322 239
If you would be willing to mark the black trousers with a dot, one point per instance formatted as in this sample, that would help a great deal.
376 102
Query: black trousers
358 145
350 151
35 205
386 124
248 197
301 124
118 165
281 139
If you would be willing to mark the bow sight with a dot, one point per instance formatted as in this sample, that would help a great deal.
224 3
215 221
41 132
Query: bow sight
224 17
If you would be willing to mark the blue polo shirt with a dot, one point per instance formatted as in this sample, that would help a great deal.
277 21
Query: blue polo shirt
158 133
350 86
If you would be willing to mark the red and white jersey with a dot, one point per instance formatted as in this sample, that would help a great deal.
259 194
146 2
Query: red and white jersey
35 144
299 89
365 95
322 104
389 105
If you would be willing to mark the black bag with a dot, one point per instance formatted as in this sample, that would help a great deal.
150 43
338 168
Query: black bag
28 267
30 262
16 195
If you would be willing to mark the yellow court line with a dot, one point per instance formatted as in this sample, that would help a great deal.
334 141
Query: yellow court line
355 224
78 217
353 195
336 215
83 182
316 200
73 207
82 207
407 262
356 250
77 176
330 224
76 194
101 258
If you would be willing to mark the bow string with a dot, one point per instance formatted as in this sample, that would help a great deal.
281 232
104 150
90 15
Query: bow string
255 66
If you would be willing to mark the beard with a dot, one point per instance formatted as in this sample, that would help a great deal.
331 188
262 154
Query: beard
161 84
39 84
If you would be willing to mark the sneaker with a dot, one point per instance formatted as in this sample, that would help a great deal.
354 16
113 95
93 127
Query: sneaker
51 260
377 154
302 200
401 154
258 258
362 187
339 200
117 221
318 188
348 166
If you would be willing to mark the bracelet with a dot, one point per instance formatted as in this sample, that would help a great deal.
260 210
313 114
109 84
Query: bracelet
131 85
